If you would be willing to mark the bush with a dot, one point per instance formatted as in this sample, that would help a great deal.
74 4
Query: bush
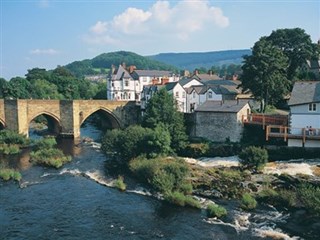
8 173
248 202
196 150
49 157
119 183
11 137
214 210
253 158
182 200
164 174
310 197
9 149
45 143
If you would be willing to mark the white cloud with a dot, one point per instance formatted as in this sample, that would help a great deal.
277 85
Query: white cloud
132 21
161 23
99 28
48 51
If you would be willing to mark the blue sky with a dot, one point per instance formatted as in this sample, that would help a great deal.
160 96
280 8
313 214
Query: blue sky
49 33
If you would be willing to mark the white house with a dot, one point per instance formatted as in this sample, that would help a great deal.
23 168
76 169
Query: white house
197 95
179 94
305 114
121 85
127 83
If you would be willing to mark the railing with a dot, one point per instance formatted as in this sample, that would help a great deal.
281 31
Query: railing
263 119
292 133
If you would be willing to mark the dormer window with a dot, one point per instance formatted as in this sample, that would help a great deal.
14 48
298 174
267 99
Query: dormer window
210 95
312 107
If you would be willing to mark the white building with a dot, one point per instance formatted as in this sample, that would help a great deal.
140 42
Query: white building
197 95
305 114
127 84
179 94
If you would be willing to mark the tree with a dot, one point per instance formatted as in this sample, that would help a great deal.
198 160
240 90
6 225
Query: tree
42 89
37 73
253 158
296 45
161 108
3 88
264 73
19 88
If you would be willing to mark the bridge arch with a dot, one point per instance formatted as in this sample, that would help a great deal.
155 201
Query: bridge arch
114 121
53 122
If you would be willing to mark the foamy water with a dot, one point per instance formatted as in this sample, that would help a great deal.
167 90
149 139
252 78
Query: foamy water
215 162
288 168
283 167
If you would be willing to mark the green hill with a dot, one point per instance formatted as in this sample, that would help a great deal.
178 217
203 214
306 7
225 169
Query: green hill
102 63
191 61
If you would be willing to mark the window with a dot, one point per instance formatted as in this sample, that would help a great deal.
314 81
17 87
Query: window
177 94
210 95
312 107
126 83
183 94
194 95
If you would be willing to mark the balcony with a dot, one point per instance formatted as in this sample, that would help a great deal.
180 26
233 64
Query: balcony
265 120
285 132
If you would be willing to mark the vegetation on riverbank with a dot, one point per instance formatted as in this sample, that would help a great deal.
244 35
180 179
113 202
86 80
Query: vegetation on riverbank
11 142
45 154
8 173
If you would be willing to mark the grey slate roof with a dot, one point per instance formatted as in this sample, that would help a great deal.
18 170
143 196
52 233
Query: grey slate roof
121 74
184 81
150 73
305 92
169 86
230 106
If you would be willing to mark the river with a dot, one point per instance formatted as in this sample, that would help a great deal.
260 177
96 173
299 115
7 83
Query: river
77 202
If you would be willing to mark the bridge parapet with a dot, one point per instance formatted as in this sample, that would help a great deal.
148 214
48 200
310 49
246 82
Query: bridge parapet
67 115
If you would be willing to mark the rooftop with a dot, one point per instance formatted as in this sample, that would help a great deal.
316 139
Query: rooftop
231 106
305 92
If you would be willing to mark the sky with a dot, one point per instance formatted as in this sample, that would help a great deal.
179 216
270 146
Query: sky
48 33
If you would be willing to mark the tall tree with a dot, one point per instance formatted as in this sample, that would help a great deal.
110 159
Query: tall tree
296 45
3 88
19 88
161 108
264 73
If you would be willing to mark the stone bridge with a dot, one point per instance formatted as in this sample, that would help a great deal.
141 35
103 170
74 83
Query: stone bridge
64 116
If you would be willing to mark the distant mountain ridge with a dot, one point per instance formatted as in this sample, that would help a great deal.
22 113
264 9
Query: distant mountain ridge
163 61
190 61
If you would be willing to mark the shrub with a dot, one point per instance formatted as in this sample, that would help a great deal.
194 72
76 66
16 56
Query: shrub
288 198
119 183
9 149
248 202
8 173
164 174
196 150
310 197
214 210
182 200
176 198
11 137
253 158
49 157
45 143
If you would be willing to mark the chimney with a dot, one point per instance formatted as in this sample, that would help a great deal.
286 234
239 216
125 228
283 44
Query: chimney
113 69
132 68
164 81
210 72
123 65
196 72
